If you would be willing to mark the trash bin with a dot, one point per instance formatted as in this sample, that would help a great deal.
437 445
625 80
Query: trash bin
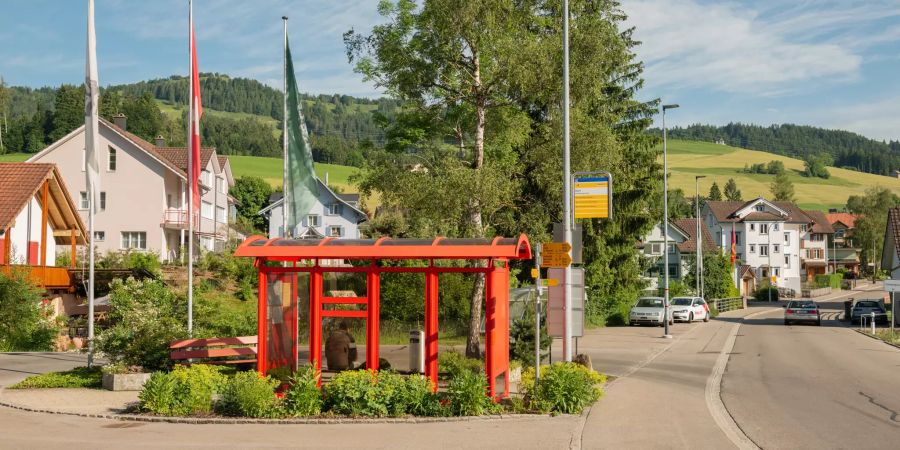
417 351
848 305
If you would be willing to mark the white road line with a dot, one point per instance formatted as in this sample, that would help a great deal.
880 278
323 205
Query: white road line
713 392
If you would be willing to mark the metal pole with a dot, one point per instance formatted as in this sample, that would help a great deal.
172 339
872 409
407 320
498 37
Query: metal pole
537 313
665 230
190 173
90 241
567 190
284 141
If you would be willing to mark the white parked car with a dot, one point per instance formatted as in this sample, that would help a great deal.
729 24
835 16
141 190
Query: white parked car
649 310
689 309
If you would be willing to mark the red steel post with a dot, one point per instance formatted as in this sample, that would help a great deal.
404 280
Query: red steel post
373 315
315 320
431 326
261 325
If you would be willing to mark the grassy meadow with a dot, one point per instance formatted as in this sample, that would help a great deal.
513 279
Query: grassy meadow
720 162
14 157
272 170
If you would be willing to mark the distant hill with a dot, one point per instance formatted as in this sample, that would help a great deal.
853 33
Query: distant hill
845 149
721 162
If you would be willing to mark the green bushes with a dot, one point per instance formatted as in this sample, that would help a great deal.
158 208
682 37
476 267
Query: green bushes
248 394
766 293
79 377
25 321
467 394
451 364
562 388
185 391
303 397
522 334
831 280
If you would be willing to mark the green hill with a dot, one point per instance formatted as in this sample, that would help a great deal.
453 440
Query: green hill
721 162
271 170
14 157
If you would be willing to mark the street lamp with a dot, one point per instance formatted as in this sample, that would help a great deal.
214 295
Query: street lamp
666 224
699 252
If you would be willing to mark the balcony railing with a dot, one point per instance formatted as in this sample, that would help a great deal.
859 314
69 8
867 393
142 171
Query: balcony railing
178 219
45 277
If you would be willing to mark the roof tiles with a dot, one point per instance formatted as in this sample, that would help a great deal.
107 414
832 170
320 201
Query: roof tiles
19 182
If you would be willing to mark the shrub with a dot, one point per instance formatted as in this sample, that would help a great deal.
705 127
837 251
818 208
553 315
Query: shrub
147 316
303 397
248 394
762 294
79 377
183 392
421 398
451 364
522 334
467 394
355 393
562 388
26 323
831 280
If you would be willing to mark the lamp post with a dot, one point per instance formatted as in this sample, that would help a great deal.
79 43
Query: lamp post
666 224
699 252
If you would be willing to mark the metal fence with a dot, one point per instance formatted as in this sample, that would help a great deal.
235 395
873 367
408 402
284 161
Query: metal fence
728 304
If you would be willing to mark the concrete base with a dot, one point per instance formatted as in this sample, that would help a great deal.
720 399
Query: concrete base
124 381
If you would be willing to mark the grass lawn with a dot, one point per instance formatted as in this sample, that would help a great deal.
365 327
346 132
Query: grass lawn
14 157
79 377
272 170
720 162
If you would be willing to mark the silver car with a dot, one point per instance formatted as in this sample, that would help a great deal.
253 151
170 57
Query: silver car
802 311
649 310
866 308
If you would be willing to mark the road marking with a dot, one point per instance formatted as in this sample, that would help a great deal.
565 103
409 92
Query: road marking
713 392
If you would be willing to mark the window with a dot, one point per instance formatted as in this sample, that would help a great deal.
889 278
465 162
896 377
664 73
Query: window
718 237
763 228
84 203
220 182
313 220
671 249
220 215
335 231
99 236
763 250
737 238
111 162
335 209
136 240
776 248
206 178
760 208
103 201
775 226
777 272
803 228
206 210
752 248
787 261
752 227
207 242
740 256
673 270
817 237
787 238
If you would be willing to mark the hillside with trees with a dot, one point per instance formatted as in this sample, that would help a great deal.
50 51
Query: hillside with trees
836 148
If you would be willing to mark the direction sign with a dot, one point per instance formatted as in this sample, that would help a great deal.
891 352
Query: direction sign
556 247
534 273
549 282
560 260
592 196
892 285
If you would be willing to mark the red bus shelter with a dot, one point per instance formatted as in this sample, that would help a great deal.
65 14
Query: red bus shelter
300 265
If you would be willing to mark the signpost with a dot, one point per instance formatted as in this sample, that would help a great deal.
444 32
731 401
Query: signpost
556 254
556 305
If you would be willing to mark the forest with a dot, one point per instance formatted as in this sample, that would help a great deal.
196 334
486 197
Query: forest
342 128
845 149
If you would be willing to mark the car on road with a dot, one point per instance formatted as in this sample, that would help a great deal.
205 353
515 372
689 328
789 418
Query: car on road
649 310
866 308
802 311
689 309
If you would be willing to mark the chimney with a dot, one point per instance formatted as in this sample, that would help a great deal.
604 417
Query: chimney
120 120
160 141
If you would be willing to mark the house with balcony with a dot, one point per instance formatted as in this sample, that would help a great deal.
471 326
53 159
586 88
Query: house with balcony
815 240
332 215
681 246
767 239
38 219
143 198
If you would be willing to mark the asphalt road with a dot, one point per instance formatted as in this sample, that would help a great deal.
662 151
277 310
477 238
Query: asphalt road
804 386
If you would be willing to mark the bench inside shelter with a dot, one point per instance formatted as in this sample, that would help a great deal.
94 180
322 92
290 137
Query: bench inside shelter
231 350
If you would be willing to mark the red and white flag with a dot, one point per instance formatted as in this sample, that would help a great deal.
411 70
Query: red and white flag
196 110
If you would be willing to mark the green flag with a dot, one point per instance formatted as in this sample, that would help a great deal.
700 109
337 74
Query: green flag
300 186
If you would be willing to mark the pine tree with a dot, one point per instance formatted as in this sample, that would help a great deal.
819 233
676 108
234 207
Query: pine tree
715 194
731 191
782 188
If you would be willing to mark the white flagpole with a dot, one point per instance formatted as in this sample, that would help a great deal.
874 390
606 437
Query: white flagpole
284 131
190 171
91 139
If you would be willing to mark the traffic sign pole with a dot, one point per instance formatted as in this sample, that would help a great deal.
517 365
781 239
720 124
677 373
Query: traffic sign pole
567 188
537 313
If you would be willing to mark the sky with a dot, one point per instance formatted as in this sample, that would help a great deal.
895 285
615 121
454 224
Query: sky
825 63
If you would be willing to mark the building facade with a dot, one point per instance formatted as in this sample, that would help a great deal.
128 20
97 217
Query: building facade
143 199
682 249
332 215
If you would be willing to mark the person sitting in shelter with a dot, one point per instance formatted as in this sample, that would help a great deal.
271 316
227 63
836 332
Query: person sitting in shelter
340 348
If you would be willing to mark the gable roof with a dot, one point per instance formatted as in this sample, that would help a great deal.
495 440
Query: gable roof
893 227
178 156
21 181
820 222
276 199
724 211
849 220
689 227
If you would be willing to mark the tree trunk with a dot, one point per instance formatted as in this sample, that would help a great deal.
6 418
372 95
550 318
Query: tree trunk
473 340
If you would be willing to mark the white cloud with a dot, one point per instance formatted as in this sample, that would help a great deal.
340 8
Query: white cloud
731 48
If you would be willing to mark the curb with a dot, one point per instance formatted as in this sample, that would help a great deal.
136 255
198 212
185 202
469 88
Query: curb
294 421
876 338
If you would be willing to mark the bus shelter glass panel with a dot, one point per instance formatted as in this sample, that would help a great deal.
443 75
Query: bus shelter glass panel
281 322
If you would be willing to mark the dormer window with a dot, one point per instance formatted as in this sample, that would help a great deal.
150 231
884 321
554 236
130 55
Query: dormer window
760 208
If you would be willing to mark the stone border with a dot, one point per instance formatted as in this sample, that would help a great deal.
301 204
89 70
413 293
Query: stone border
293 421
875 337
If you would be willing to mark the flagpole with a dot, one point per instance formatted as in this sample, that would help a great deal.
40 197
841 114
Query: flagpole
190 172
91 188
284 142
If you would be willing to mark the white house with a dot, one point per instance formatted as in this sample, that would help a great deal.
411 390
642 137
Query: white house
332 215
767 238
682 248
143 199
